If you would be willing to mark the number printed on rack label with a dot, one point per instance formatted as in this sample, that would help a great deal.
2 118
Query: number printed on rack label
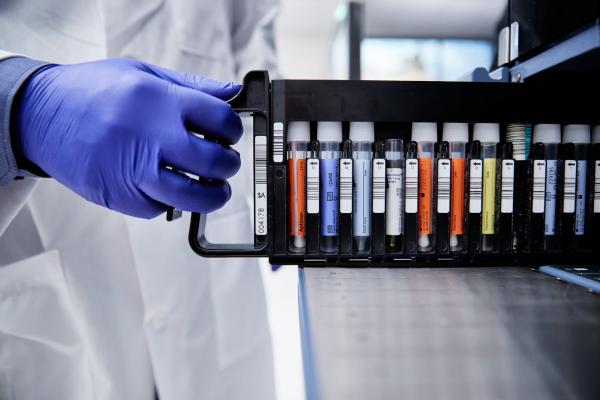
570 185
260 185
278 145
346 186
538 198
597 187
378 185
312 185
443 186
475 185
412 186
508 186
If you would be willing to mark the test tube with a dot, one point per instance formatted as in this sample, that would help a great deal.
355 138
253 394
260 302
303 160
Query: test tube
362 135
489 136
425 134
394 197
549 135
298 136
329 135
457 135
579 135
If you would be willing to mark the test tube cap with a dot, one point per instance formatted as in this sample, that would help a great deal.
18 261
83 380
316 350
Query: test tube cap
596 135
486 132
424 132
546 133
456 132
576 133
362 131
329 131
298 131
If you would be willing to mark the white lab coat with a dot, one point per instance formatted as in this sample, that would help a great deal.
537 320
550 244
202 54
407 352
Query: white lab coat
96 305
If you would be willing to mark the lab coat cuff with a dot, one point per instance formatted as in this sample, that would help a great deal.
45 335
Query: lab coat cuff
14 71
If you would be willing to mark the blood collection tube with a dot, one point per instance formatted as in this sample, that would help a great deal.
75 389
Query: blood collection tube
579 135
425 134
489 136
457 135
362 135
329 135
394 197
298 137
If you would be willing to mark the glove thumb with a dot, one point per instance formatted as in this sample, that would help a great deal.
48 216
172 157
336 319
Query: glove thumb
221 90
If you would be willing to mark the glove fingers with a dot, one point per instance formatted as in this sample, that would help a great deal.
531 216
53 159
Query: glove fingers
209 116
204 158
222 90
182 192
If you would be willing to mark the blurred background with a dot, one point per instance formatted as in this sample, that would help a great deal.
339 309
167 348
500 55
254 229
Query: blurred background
401 40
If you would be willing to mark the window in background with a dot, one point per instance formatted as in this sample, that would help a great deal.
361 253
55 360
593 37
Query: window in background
423 59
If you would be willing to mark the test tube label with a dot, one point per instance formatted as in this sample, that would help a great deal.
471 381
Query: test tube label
443 200
394 200
581 199
475 185
538 198
346 186
507 187
297 196
570 186
458 196
550 218
312 185
489 197
425 191
361 220
412 185
330 201
260 185
278 142
597 187
378 185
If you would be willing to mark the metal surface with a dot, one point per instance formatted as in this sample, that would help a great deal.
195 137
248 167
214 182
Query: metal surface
452 333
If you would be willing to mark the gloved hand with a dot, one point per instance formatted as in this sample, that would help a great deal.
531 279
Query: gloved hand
107 129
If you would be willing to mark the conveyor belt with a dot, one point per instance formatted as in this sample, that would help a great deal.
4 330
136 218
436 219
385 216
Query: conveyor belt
452 333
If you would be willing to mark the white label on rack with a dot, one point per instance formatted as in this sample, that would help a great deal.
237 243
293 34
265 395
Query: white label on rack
394 218
378 185
597 187
508 187
538 197
346 186
278 145
260 185
443 186
312 185
412 186
475 185
570 186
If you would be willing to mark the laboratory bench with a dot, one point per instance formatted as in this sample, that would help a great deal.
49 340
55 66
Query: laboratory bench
447 333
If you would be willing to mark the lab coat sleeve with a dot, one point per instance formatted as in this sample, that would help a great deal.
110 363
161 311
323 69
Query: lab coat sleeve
14 70
253 36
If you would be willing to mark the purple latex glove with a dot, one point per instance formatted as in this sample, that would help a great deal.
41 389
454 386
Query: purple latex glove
107 129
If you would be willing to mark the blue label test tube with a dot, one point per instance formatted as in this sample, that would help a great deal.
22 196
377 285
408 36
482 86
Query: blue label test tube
362 135
329 135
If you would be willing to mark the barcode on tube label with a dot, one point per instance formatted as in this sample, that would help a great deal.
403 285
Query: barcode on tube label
412 186
570 186
278 143
507 187
260 185
443 186
538 198
346 186
312 185
475 185
378 185
597 187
